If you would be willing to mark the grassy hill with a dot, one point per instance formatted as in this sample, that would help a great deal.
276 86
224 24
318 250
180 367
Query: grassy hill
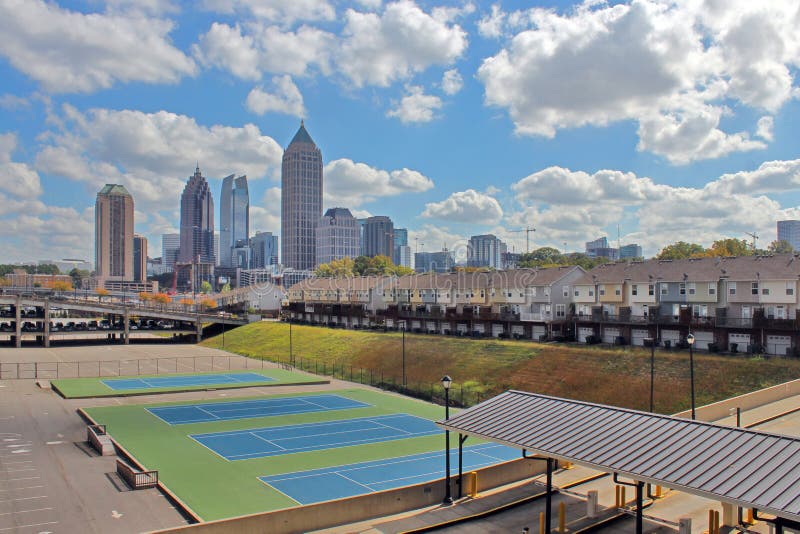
485 367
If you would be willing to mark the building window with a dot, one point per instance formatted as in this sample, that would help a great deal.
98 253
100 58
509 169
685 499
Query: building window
602 291
577 292
692 290
591 292
765 291
547 292
617 291
754 288
732 288
682 288
634 290
663 289
789 288
565 290
561 310
651 289
712 289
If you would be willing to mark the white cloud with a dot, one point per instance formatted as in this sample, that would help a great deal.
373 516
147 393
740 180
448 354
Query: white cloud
279 11
452 82
256 49
284 98
434 238
154 7
468 206
266 217
764 128
490 26
13 102
152 153
16 178
416 106
666 66
352 184
46 232
68 51
378 49
576 206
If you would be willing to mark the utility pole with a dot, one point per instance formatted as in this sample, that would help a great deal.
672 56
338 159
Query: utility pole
755 239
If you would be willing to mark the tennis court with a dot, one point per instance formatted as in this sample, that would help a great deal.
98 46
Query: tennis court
275 441
124 384
224 411
318 485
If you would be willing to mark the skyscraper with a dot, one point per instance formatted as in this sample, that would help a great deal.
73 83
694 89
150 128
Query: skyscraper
170 245
234 218
197 228
264 248
789 231
301 201
113 227
338 236
402 252
139 258
485 251
379 236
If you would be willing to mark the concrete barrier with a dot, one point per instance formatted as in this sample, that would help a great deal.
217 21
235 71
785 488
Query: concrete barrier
96 435
353 509
720 410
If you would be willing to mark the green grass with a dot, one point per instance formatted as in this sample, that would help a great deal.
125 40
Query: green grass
618 376
215 488
81 388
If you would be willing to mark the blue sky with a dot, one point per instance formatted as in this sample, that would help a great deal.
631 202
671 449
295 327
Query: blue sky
667 120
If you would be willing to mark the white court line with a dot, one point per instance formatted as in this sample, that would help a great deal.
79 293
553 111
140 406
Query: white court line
20 470
282 493
209 413
354 481
20 489
268 441
28 526
23 478
18 462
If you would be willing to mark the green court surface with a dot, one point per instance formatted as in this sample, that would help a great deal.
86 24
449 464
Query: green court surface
214 487
104 386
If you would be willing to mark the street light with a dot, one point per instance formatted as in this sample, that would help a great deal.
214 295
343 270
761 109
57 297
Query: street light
652 342
404 355
448 498
690 341
291 355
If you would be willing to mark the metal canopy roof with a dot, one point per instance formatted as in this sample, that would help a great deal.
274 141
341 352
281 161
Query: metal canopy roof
735 465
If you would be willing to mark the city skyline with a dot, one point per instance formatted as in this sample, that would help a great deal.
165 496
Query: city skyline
485 122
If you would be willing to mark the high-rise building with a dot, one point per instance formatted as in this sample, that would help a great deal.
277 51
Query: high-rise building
439 262
402 252
379 236
338 236
139 258
170 245
630 251
301 201
234 219
789 231
113 227
485 250
197 229
197 221
599 249
264 250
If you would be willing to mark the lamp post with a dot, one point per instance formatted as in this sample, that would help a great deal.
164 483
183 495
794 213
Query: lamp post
291 354
404 354
652 343
448 498
690 341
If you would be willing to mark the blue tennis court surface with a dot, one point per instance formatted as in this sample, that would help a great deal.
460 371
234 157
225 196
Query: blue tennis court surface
121 384
222 411
274 441
318 485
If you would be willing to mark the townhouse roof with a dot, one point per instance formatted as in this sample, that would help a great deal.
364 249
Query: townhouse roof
707 269
514 278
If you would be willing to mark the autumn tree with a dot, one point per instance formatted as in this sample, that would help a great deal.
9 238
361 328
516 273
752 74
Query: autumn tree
729 247
61 285
101 292
161 299
205 287
208 303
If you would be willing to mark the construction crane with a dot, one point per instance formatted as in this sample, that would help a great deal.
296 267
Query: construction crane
527 231
755 238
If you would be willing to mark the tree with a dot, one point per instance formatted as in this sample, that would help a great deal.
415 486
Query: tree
780 247
205 287
226 287
144 296
78 276
729 247
61 285
208 303
681 251
186 303
101 292
161 298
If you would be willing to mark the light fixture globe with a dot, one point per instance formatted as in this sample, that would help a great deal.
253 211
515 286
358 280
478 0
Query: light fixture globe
446 381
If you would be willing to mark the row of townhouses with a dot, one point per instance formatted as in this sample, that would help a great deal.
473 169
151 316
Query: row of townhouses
735 304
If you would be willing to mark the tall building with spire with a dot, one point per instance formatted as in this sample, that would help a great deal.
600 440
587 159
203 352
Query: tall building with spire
197 228
301 201
234 219
113 231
